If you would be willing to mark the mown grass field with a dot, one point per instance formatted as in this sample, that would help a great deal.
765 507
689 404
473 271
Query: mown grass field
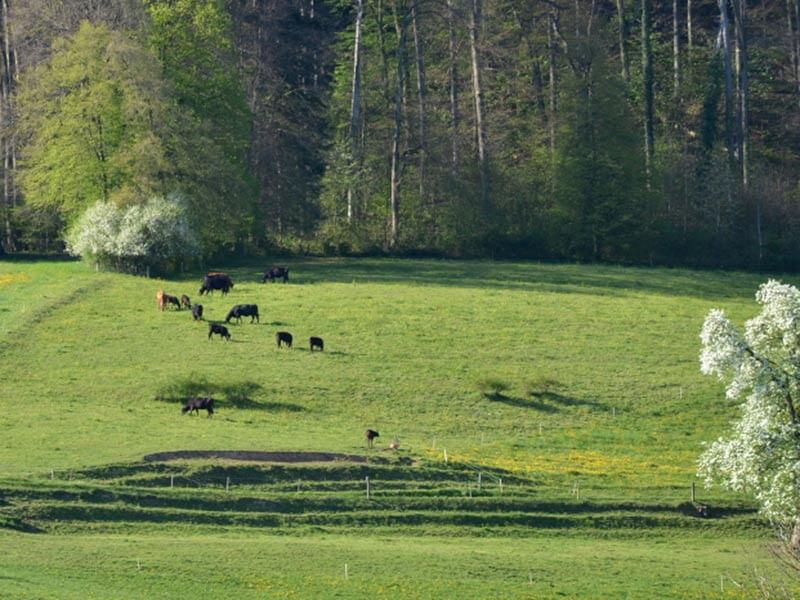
577 385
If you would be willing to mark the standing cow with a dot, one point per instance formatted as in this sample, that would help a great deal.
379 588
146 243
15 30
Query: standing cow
216 281
276 273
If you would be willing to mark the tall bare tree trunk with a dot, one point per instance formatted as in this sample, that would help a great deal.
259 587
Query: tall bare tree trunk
793 29
355 101
647 70
551 71
394 194
623 54
728 69
676 66
382 46
454 116
796 6
743 128
6 101
420 97
477 92
689 33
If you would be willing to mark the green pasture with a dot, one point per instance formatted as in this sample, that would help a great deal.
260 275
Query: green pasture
578 386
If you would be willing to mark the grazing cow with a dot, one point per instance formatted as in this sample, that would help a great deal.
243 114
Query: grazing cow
196 404
216 281
185 301
371 434
276 273
166 299
283 337
220 330
316 342
243 310
197 312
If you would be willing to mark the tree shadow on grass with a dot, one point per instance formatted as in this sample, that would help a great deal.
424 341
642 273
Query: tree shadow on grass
565 400
543 401
235 395
520 402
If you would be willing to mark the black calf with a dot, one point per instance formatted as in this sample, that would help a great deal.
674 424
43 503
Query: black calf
185 301
283 337
197 312
220 330
371 434
316 342
195 405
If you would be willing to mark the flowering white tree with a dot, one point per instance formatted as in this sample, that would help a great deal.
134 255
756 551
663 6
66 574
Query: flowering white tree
761 367
140 235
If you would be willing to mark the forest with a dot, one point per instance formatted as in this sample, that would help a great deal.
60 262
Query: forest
642 132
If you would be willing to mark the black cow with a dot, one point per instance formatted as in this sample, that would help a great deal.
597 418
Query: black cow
216 281
220 330
243 310
283 337
196 404
185 301
276 273
316 342
197 312
371 434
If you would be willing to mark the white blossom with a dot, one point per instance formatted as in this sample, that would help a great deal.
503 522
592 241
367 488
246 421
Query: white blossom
760 368
143 234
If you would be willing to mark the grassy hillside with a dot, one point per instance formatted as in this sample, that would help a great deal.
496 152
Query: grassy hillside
576 385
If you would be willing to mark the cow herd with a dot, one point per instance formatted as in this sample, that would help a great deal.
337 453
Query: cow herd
224 283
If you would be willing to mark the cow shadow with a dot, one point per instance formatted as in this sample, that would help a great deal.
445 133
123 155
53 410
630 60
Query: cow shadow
240 395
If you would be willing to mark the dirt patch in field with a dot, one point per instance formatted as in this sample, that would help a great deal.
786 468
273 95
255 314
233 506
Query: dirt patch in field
249 455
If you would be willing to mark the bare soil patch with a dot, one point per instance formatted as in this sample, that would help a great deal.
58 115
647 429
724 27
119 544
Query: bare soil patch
255 456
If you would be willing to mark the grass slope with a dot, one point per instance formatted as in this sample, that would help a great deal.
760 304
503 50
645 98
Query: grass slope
556 378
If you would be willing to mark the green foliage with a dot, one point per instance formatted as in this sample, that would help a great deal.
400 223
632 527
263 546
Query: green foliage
600 189
192 39
96 117
107 119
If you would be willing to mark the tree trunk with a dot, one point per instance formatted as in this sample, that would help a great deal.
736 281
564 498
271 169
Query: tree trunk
647 70
689 33
551 68
382 45
743 128
477 92
793 29
795 541
394 195
454 116
420 97
676 67
728 68
623 54
7 85
355 100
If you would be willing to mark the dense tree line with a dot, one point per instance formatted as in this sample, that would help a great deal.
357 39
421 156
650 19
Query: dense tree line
632 131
